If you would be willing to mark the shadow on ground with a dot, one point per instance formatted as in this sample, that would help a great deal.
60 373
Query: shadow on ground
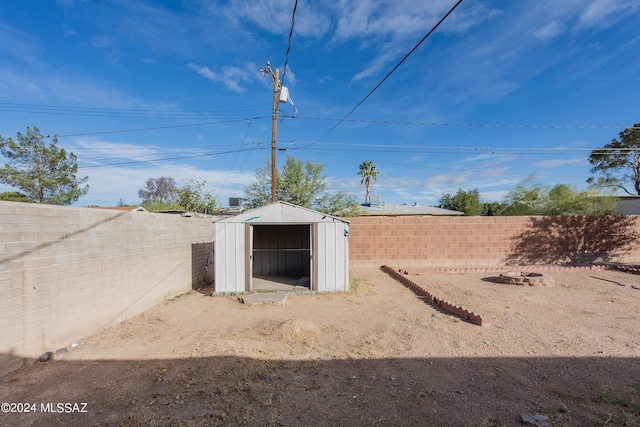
257 392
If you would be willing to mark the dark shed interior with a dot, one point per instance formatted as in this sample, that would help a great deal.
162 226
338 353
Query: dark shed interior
282 250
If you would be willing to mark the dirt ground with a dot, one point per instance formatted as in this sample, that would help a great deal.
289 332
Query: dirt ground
379 355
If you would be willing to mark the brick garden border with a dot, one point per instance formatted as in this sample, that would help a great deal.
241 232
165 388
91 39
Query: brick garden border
465 314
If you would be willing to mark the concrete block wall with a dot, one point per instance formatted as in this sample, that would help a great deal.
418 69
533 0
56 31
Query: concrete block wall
66 273
452 242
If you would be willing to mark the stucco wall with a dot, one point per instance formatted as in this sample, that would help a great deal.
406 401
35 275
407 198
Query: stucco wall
491 241
66 273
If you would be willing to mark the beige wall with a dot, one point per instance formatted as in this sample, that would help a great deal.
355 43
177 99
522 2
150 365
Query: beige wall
66 273
452 242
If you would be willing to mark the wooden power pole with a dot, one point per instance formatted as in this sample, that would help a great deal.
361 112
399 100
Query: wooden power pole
276 89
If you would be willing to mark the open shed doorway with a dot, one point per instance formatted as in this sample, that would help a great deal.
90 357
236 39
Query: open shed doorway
281 257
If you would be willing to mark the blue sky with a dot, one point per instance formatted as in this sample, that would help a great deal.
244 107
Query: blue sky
502 89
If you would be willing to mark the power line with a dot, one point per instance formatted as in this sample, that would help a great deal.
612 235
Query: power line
182 115
86 153
466 149
286 57
429 151
393 69
108 112
169 158
235 159
160 127
416 165
487 125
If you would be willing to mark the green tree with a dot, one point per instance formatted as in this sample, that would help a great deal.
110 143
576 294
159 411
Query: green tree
599 201
300 183
527 198
618 162
564 200
14 196
463 201
44 173
367 171
493 208
339 204
158 189
532 198
258 193
193 198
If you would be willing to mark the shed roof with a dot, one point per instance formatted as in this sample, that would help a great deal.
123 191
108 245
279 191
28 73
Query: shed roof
283 212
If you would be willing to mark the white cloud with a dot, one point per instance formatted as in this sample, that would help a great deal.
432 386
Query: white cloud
549 31
290 76
67 31
555 163
230 76
402 20
91 151
100 42
274 16
604 13
112 179
387 54
493 196
19 44
32 87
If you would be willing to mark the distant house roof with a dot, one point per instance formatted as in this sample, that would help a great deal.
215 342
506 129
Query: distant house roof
389 209
628 205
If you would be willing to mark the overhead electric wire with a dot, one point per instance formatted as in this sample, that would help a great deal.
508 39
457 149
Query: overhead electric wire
286 56
36 108
392 70
169 158
161 127
416 165
344 146
235 159
427 151
488 125
87 153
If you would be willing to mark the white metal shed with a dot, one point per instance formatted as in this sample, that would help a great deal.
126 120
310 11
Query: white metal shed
282 240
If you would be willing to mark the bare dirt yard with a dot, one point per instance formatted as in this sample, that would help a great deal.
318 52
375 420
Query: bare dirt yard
380 355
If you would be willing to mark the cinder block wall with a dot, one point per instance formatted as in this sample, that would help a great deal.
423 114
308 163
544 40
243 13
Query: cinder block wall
454 242
66 273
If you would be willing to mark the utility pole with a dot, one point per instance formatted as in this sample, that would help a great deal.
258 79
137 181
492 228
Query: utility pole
274 121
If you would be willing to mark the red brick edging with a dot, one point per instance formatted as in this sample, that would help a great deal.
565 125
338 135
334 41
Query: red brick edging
418 271
465 314
633 269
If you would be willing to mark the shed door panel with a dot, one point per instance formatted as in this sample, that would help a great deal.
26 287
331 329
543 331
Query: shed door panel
281 250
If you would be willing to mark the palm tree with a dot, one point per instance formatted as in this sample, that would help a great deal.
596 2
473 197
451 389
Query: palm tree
367 171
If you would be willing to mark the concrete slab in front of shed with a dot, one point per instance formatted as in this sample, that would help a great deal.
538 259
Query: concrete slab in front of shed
277 298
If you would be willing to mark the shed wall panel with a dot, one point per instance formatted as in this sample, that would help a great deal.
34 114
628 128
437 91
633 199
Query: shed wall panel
229 257
332 262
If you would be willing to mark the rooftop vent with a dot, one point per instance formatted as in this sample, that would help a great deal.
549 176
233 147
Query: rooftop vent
235 202
375 200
